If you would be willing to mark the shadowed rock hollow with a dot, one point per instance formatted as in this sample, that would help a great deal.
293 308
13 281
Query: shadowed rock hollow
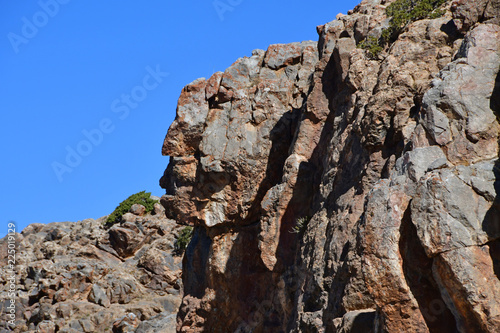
335 191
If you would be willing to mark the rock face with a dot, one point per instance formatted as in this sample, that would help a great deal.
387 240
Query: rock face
80 277
334 192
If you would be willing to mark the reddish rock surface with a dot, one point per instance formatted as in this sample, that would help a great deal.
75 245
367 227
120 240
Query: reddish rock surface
334 192
331 190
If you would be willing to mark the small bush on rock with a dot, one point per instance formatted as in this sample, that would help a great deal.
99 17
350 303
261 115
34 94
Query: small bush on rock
300 225
183 239
372 45
402 13
142 198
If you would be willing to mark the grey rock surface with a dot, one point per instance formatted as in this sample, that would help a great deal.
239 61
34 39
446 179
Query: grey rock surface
82 277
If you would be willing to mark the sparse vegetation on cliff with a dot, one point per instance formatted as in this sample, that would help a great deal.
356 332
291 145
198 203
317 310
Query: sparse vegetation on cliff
143 198
402 13
372 45
300 225
183 239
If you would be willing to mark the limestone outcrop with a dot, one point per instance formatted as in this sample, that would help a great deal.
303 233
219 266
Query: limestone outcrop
334 190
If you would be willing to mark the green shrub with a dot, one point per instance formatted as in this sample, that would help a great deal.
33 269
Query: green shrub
183 239
402 13
143 198
372 45
300 225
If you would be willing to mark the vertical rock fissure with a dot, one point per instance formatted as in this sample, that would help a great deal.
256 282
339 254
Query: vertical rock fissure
494 211
495 96
281 136
494 248
417 269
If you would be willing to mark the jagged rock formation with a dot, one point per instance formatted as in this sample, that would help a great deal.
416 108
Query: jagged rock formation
334 192
81 277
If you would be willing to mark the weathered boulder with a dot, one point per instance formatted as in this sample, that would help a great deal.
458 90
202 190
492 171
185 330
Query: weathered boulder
161 323
468 13
138 209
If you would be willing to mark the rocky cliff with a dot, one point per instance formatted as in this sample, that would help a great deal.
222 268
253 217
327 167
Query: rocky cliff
336 189
339 186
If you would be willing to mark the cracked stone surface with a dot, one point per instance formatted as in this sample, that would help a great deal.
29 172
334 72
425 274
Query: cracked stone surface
334 192
329 192
82 277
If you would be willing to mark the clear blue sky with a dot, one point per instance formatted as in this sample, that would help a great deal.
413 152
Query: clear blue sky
90 78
